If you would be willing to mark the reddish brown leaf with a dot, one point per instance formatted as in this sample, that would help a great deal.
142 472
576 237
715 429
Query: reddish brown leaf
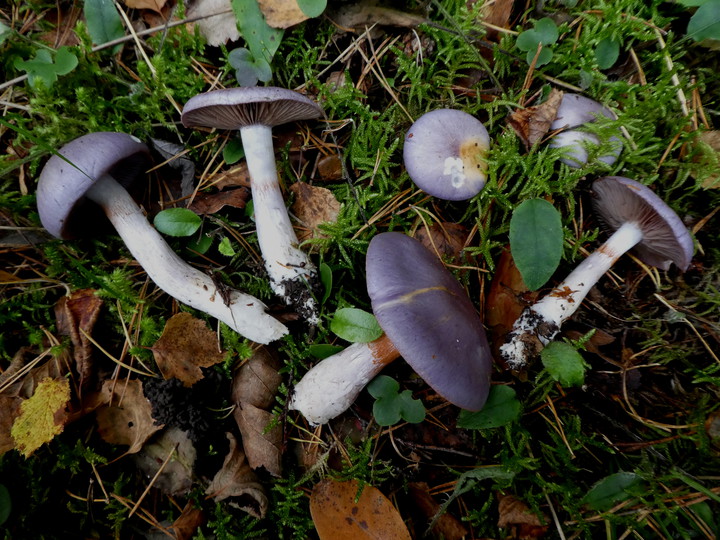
336 513
446 239
237 484
496 13
186 345
313 205
446 526
76 316
185 526
522 522
208 204
10 407
531 124
254 389
125 415
238 176
329 168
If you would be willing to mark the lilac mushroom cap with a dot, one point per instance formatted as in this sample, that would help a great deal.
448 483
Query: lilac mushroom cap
665 239
445 153
576 111
429 318
68 175
233 108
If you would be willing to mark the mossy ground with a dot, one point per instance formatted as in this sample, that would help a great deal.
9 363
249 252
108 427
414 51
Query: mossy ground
650 395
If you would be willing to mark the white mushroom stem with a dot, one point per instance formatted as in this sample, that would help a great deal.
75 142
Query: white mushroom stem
285 263
243 313
331 386
541 322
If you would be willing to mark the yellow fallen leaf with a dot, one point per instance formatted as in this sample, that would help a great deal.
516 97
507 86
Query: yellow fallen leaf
42 416
282 13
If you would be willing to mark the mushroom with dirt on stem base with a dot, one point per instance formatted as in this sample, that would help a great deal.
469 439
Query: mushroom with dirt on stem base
94 170
254 111
641 222
445 154
427 318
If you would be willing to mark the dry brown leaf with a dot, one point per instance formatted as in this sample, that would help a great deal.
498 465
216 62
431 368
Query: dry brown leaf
217 23
446 526
496 13
367 13
238 176
330 168
506 300
185 526
155 5
531 124
253 393
186 345
336 514
176 476
282 13
517 516
445 239
76 316
237 484
208 204
10 407
313 205
55 367
125 415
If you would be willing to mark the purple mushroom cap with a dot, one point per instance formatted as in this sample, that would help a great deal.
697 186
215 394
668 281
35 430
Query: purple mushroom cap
665 238
574 112
64 210
445 153
234 108
429 318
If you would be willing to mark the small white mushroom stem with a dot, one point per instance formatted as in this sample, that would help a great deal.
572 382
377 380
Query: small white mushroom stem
332 385
243 313
284 261
541 322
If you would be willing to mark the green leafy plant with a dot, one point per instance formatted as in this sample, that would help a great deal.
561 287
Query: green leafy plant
391 405
607 53
564 363
45 69
612 489
103 20
177 222
543 34
501 408
705 22
536 241
253 64
355 325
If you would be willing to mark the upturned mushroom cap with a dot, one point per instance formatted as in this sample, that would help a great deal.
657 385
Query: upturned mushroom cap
64 210
665 239
574 112
429 318
445 152
234 108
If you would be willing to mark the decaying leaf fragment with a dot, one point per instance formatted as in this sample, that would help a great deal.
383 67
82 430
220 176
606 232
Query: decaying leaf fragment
210 203
313 206
216 21
446 526
282 13
173 451
532 123
366 13
10 407
254 389
125 415
336 514
517 516
186 345
42 416
237 484
155 5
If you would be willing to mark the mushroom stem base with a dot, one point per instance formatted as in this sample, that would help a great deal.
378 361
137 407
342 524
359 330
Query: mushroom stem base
243 313
541 322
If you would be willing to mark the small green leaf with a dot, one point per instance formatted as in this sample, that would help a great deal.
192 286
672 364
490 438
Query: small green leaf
412 410
103 21
263 40
564 363
383 386
391 406
326 278
528 41
46 69
5 504
312 8
177 222
543 58
546 31
501 408
233 151
225 247
323 350
386 411
5 32
355 325
611 489
201 243
607 52
705 22
536 241
249 69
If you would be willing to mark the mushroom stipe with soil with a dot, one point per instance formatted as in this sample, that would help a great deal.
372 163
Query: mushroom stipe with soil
640 222
94 170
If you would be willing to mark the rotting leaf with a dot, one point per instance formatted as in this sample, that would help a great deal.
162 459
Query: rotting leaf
446 526
154 5
444 239
76 316
176 477
517 516
172 152
125 415
364 13
337 514
10 407
186 345
237 484
187 524
313 206
210 203
282 13
532 123
254 388
42 416
215 20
